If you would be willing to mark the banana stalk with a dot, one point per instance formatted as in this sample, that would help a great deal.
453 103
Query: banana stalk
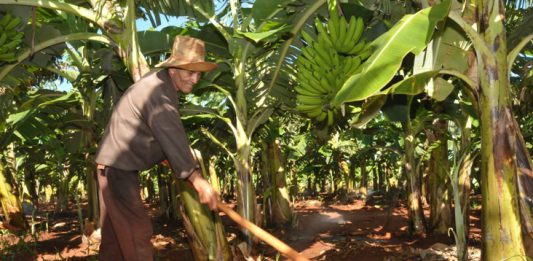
11 206
204 227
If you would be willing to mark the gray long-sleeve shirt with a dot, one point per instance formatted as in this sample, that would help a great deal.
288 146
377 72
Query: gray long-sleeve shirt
145 129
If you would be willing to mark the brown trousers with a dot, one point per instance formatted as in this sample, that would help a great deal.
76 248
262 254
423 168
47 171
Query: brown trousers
125 224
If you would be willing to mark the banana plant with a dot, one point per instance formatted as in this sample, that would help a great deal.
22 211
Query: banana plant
22 119
253 55
276 200
116 20
490 89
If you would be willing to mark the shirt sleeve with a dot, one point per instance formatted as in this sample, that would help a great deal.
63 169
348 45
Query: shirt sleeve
164 120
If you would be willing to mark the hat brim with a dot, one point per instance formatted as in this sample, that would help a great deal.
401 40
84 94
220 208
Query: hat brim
196 66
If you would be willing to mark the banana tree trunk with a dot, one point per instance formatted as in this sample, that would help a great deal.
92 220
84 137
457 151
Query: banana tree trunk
88 142
464 187
440 218
62 190
502 235
174 211
525 184
266 184
204 227
379 174
294 188
246 204
93 211
461 193
213 178
416 214
281 206
11 206
364 178
345 170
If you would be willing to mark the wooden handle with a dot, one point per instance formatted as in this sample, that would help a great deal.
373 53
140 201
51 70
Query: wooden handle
283 248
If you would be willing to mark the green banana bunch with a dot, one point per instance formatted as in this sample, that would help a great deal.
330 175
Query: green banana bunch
327 60
10 37
5 20
345 35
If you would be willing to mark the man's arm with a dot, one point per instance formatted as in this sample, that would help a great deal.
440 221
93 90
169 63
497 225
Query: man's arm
206 192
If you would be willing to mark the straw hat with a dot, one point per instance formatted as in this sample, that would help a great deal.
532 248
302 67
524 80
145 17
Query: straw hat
188 53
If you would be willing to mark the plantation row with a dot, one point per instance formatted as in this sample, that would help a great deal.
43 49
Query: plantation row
422 104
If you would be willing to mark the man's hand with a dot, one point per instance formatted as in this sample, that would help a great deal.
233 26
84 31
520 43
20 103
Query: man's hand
206 192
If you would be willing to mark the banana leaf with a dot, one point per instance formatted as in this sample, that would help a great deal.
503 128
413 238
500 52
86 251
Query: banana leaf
51 42
263 9
25 115
259 36
409 35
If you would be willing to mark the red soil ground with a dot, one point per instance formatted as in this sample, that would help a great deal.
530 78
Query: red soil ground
334 232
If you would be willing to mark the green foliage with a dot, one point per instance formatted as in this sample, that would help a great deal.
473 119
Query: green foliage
410 35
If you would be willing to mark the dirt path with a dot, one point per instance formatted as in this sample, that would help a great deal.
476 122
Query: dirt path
334 232
347 232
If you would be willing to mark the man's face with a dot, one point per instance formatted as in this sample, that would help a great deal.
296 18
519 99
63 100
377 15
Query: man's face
183 80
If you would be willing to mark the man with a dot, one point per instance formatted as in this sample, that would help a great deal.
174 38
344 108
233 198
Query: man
145 129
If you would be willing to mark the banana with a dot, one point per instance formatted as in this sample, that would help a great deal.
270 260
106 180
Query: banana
365 53
331 79
308 39
309 57
322 116
307 108
13 23
320 56
333 27
11 33
335 57
310 54
359 27
304 62
3 38
3 22
311 100
314 83
322 31
320 27
8 57
314 113
323 53
306 75
342 33
330 117
355 63
19 35
12 44
358 47
304 89
348 42
325 83
322 40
